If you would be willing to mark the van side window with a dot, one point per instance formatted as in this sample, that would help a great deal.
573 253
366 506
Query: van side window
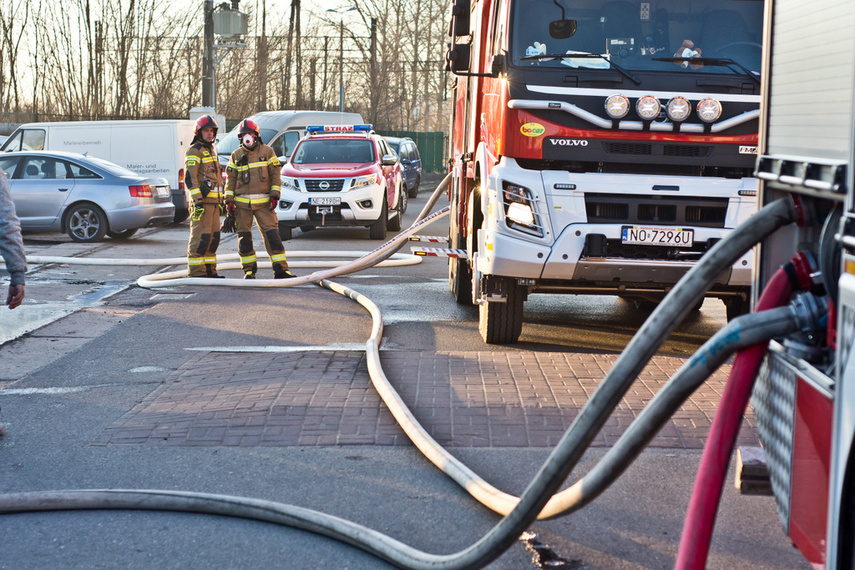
27 139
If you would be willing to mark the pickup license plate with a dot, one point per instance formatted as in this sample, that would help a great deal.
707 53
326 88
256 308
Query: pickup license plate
162 190
325 201
642 235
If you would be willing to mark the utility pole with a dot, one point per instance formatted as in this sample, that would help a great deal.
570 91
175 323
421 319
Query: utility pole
341 56
208 56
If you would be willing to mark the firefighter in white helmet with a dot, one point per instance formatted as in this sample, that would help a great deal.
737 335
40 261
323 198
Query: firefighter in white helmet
204 180
252 192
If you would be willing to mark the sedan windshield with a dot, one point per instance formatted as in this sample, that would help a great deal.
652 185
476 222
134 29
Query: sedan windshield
338 151
634 35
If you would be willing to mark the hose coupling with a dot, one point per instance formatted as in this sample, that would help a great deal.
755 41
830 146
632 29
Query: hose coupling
811 314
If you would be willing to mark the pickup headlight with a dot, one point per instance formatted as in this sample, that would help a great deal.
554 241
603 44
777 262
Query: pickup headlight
519 208
363 181
290 183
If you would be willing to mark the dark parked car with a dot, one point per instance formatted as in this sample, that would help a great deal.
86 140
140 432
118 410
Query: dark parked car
86 197
411 162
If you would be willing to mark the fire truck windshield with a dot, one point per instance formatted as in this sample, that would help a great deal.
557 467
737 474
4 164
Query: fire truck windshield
639 35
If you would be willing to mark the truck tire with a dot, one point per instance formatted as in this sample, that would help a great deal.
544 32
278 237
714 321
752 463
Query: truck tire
459 270
735 307
285 232
377 230
501 323
181 214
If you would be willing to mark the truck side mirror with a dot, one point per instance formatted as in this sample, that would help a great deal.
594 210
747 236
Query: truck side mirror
498 65
458 57
459 25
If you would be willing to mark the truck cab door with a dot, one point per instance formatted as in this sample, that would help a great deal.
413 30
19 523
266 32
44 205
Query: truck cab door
40 187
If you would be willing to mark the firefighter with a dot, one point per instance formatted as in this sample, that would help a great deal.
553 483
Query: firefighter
204 180
252 191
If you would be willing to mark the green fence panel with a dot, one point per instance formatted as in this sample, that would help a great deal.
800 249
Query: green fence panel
432 147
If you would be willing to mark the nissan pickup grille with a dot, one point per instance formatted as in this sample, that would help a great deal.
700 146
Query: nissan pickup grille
774 401
671 210
331 185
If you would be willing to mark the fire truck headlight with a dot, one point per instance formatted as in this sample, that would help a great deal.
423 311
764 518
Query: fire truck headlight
709 110
363 181
648 107
617 106
521 214
678 109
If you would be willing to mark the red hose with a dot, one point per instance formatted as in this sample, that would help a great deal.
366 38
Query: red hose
706 494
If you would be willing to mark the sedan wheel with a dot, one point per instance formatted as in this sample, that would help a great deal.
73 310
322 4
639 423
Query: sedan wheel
123 234
86 223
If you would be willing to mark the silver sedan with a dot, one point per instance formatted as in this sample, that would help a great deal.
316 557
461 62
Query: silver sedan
85 197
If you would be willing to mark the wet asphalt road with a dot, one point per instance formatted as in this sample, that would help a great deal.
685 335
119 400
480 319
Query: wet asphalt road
88 345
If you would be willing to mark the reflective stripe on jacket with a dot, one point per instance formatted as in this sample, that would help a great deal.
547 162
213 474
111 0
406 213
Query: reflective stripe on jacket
253 172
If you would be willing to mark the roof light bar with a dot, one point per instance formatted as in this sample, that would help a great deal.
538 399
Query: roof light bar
338 128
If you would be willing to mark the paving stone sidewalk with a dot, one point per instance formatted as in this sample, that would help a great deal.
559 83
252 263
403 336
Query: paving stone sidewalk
463 399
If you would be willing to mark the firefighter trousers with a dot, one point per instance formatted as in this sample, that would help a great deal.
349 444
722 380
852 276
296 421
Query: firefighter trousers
268 224
204 240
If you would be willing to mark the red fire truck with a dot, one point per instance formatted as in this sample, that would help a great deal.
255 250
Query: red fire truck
804 399
599 148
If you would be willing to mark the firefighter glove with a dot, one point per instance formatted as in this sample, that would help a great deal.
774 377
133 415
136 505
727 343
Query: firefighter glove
198 212
273 201
231 208
228 225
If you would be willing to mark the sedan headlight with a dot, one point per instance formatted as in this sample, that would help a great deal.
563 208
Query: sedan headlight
709 110
648 107
363 181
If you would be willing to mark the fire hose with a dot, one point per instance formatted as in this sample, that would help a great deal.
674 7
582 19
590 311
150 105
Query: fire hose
519 513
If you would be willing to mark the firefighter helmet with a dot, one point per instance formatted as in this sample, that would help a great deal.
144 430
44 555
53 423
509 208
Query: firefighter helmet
248 126
205 121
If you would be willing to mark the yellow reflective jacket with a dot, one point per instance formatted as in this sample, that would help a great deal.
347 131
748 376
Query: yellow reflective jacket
200 162
252 176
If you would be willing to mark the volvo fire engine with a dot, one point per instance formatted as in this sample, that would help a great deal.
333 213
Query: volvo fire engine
599 148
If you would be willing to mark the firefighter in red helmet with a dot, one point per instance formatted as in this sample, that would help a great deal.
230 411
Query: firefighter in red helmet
203 180
252 192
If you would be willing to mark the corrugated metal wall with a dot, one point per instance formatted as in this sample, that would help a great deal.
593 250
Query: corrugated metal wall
812 55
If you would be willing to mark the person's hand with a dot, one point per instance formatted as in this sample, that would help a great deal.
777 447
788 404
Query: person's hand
231 208
273 202
16 295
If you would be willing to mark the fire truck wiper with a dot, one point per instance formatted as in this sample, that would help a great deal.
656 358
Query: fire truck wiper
719 61
623 71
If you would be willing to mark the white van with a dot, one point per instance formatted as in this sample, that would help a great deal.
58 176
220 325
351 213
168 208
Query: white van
282 129
152 148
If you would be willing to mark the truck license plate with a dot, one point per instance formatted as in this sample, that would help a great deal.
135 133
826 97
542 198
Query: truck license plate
641 235
325 201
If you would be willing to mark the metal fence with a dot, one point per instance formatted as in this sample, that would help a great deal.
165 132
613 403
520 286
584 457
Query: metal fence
432 147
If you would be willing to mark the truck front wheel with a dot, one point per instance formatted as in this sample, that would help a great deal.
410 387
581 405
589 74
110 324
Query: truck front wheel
501 323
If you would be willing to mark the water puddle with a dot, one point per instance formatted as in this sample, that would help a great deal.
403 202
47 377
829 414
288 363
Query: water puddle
31 316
